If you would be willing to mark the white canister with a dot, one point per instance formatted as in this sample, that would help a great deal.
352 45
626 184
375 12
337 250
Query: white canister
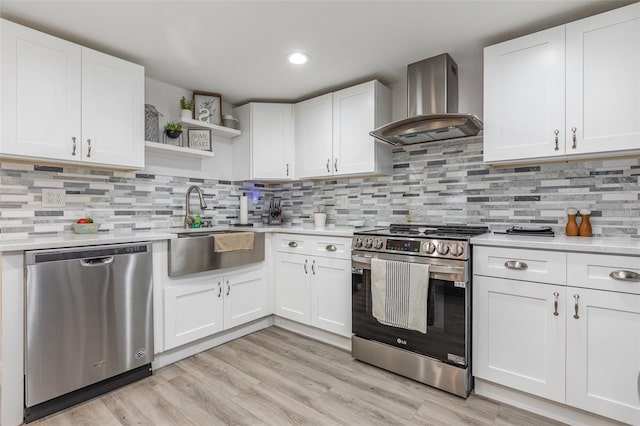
320 219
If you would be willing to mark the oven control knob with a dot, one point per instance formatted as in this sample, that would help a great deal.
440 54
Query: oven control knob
443 248
357 243
428 247
368 243
377 244
456 249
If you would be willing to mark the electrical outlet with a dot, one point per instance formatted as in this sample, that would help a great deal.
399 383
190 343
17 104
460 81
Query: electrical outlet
53 197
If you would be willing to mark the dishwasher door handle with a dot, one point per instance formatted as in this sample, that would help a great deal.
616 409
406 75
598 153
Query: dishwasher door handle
96 261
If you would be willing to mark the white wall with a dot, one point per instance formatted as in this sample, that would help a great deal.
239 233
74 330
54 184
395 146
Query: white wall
166 98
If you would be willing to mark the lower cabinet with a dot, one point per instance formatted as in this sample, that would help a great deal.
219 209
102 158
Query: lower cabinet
314 290
564 342
520 335
203 304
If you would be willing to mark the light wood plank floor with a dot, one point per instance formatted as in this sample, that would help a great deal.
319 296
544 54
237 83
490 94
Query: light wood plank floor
274 377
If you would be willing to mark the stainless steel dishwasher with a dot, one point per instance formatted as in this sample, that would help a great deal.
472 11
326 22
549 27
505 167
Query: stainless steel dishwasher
89 323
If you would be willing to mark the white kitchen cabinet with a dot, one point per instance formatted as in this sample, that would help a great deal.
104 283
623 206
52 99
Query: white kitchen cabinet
313 287
603 353
332 132
572 91
264 151
587 356
203 304
519 339
68 103
314 136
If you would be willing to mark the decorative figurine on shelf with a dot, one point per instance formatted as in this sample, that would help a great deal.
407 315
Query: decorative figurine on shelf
186 107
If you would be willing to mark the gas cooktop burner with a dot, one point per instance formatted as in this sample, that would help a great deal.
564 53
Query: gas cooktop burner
446 241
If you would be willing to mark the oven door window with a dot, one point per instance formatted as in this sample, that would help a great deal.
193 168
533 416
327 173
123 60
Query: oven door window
446 321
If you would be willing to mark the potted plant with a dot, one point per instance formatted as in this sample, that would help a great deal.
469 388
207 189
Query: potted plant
173 130
186 105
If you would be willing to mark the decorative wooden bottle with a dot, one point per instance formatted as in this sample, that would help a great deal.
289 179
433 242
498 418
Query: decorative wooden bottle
585 225
572 226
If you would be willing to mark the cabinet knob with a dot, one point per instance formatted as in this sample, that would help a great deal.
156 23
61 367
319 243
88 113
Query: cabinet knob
287 169
335 165
293 244
576 297
89 149
555 303
556 132
228 288
328 165
313 266
331 247
516 265
219 289
73 139
305 266
575 141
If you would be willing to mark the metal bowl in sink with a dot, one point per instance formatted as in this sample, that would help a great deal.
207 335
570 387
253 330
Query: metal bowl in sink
193 252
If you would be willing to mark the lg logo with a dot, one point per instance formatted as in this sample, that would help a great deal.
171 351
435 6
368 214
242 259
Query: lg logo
401 342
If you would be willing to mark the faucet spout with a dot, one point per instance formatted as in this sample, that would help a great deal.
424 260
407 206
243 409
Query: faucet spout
188 219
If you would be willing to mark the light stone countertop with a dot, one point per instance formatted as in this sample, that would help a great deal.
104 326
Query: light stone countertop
601 245
70 239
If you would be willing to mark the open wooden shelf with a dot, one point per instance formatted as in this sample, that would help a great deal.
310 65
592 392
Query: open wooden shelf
177 150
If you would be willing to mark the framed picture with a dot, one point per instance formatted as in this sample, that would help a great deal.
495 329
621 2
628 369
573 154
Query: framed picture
199 139
207 107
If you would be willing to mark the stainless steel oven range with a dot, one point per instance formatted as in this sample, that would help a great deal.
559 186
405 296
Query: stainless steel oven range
429 340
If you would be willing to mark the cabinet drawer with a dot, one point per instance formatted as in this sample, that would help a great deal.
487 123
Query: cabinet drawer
604 272
292 243
520 264
338 248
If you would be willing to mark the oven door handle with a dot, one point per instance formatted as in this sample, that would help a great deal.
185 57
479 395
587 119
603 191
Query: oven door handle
432 268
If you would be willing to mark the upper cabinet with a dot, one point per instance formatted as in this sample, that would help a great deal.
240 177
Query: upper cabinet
64 102
332 132
568 92
264 151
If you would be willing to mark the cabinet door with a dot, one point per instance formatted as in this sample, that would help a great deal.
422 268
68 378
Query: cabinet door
331 295
603 82
603 353
112 110
524 97
245 298
272 141
192 310
314 137
518 340
40 94
293 287
354 116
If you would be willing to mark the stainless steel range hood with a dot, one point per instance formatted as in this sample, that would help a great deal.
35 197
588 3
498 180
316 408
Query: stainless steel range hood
432 105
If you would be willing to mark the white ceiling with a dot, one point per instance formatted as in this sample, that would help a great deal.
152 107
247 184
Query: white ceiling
238 48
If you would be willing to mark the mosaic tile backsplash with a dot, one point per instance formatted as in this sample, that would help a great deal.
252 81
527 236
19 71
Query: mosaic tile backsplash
444 182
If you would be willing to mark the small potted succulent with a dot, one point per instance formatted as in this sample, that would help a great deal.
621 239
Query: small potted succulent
186 107
173 130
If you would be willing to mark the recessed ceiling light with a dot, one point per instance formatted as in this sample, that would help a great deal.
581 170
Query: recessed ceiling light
298 58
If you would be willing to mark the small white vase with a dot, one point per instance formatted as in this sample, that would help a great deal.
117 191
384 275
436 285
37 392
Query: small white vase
186 113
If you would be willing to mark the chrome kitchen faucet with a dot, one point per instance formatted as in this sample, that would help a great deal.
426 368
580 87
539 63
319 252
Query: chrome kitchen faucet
188 219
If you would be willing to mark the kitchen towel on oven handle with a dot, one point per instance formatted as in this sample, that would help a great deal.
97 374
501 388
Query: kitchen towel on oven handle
399 292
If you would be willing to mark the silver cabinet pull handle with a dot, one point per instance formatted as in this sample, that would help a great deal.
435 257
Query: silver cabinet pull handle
287 169
556 132
305 266
73 139
331 247
577 298
89 150
515 264
328 165
228 288
313 267
219 289
335 165
575 139
555 303
629 276
293 244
